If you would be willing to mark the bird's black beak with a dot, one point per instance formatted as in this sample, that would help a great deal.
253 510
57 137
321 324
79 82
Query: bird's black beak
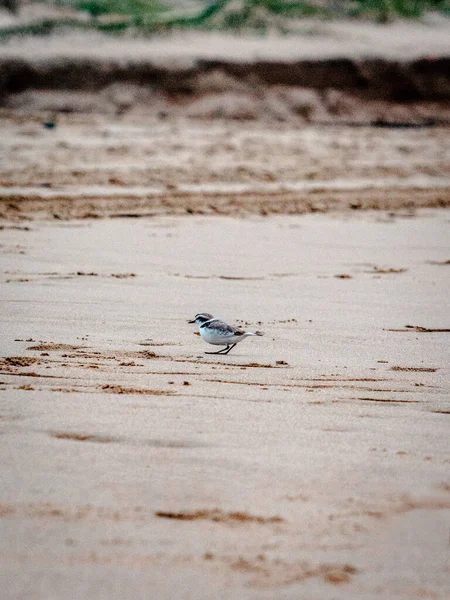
193 321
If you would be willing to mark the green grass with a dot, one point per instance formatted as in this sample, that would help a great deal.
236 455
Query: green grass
130 8
147 16
236 14
382 10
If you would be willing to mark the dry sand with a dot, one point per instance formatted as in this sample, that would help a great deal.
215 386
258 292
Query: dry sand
310 463
311 39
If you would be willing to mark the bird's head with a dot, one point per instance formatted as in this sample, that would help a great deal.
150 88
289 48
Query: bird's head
201 318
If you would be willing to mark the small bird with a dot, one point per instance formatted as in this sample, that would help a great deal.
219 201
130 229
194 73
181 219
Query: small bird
218 333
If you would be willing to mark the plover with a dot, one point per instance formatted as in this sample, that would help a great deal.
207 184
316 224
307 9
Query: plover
218 333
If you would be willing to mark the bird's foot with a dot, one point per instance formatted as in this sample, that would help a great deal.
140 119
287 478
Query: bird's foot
224 350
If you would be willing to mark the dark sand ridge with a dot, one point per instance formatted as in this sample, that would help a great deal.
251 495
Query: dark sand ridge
333 72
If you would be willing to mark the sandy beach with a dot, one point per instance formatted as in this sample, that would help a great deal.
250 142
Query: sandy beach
297 185
310 463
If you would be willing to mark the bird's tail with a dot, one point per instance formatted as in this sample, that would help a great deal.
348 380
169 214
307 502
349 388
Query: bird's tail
255 333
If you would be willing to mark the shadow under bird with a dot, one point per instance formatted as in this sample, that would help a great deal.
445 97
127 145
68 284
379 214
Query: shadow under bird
219 333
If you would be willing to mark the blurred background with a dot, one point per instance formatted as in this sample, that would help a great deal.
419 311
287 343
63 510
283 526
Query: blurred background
261 16
155 99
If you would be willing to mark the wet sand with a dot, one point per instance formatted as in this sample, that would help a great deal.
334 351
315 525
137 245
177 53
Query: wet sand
310 463
93 165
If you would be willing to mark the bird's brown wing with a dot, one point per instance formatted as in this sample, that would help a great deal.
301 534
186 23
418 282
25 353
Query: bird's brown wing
226 329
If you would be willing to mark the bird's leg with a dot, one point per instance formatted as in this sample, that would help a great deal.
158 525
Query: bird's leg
220 351
228 348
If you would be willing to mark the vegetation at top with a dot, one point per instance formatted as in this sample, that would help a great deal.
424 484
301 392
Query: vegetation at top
257 14
261 16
